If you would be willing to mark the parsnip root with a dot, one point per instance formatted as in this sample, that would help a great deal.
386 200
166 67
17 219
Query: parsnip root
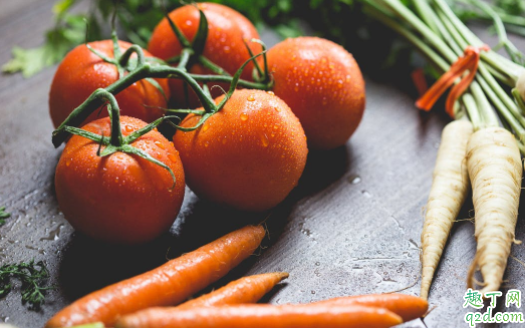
495 170
448 192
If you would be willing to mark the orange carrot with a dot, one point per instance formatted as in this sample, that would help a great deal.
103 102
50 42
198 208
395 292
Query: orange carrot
263 316
168 284
242 291
408 307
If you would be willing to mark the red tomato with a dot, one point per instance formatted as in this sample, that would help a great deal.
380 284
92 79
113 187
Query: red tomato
323 86
249 156
82 72
224 46
120 198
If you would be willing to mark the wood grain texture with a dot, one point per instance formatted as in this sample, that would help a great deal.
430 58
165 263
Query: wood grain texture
352 226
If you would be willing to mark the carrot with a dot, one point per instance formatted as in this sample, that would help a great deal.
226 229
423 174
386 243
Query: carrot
408 307
448 192
168 284
245 290
263 316
495 170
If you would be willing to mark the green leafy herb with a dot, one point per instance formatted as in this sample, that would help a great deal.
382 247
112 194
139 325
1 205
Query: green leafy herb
32 276
3 215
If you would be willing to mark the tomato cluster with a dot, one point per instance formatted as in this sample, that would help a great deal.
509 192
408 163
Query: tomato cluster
246 149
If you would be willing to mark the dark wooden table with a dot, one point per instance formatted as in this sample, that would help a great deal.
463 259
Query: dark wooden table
352 226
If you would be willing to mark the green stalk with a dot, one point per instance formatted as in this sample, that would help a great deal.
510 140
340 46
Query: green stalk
419 26
186 53
410 36
497 67
436 59
502 109
492 57
444 32
512 51
228 79
211 66
489 118
450 34
471 108
518 99
125 57
422 8
507 18
496 89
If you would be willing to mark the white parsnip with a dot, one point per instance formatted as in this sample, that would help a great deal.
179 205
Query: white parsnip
495 170
448 192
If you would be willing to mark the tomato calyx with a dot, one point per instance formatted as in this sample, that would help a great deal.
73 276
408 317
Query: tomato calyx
192 52
205 114
117 142
125 63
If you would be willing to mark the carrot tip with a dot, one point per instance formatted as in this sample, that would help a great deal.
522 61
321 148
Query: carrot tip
283 275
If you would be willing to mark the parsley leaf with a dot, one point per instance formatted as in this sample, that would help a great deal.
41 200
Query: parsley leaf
3 215
32 277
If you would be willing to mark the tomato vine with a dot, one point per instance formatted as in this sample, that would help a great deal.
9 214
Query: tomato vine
134 66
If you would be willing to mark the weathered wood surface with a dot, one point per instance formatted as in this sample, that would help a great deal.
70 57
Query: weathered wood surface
351 227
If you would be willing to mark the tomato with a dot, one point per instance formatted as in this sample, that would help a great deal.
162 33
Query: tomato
82 72
323 85
224 46
248 156
120 198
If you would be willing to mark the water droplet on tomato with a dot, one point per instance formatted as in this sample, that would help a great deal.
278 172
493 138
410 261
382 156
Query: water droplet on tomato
251 98
277 109
205 127
159 144
226 49
206 143
293 57
270 93
243 116
188 23
172 157
264 140
128 128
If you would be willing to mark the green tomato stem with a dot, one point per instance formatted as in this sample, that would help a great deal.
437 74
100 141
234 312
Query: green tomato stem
186 53
211 66
228 79
125 57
